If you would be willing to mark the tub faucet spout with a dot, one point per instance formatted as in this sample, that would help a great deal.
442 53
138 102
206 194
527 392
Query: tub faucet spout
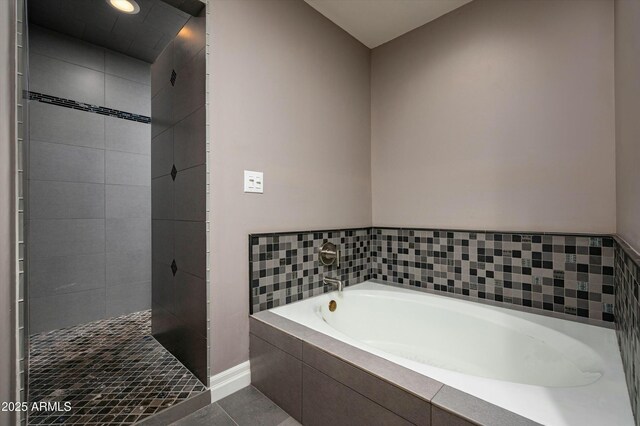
334 282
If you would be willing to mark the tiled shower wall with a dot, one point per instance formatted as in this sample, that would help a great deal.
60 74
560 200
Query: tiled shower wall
566 274
178 186
627 308
89 189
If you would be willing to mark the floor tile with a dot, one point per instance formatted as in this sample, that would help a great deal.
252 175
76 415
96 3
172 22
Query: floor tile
290 422
211 415
111 371
249 407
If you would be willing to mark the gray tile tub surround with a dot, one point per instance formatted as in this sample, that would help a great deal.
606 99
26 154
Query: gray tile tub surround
627 308
319 380
89 198
565 274
284 267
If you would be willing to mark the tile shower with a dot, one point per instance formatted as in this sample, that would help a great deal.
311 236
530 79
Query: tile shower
96 340
89 206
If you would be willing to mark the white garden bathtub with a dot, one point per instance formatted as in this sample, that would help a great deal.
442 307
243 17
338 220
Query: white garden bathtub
553 371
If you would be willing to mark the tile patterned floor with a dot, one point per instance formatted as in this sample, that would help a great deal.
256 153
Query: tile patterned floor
112 372
247 407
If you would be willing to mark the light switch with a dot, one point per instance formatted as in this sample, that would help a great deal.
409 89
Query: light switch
253 182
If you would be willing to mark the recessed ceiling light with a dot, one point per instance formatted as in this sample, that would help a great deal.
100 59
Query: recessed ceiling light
126 6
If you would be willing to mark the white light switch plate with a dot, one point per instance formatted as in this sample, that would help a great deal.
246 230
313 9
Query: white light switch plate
253 182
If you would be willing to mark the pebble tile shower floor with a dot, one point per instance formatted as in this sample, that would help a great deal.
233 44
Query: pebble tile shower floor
113 372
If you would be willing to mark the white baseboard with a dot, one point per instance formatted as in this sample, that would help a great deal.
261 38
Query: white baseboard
230 381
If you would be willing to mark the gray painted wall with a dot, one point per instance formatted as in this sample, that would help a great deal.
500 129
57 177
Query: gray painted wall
498 115
179 311
89 185
290 97
7 212
627 65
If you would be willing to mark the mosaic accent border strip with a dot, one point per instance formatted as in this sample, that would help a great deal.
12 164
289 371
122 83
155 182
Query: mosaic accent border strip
560 273
68 103
627 308
284 267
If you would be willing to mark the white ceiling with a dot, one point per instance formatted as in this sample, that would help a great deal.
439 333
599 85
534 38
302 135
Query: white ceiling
375 22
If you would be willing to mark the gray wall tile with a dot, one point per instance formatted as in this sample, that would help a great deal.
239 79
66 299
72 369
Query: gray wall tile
50 43
65 237
128 234
190 140
162 206
124 267
192 352
123 168
163 289
162 153
52 123
190 247
128 201
412 408
278 338
127 136
127 67
277 374
65 200
190 194
161 69
326 401
65 274
127 95
68 196
162 241
52 161
66 80
127 298
190 308
64 310
189 91
187 47
161 118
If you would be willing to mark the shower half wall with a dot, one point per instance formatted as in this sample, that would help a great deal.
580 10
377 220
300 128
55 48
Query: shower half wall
178 184
89 203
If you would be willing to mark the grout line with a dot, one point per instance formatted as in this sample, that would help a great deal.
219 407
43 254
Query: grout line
104 205
228 415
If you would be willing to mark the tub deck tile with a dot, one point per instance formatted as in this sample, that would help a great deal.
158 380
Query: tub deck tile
460 406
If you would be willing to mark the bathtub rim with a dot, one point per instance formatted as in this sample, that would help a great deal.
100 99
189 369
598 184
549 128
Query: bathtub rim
488 302
287 335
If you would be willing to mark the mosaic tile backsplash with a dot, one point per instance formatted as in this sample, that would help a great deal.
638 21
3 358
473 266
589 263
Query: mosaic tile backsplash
560 273
627 308
284 267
